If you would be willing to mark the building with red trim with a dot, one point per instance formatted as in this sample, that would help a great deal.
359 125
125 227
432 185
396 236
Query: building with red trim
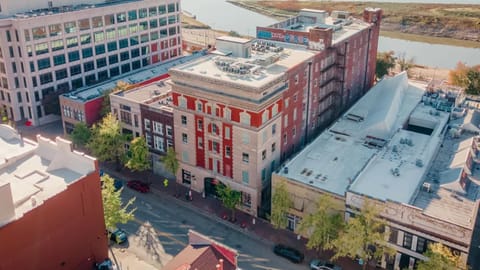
51 214
246 108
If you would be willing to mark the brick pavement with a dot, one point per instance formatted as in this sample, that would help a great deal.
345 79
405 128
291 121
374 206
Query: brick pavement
213 209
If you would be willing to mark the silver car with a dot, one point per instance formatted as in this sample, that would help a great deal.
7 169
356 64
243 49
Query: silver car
317 264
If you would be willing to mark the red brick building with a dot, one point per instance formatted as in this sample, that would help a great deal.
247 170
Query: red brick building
51 214
242 111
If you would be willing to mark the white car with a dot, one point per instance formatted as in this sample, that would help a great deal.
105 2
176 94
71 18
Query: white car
317 264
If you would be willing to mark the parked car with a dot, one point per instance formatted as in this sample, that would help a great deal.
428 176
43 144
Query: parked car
118 236
317 264
138 186
289 253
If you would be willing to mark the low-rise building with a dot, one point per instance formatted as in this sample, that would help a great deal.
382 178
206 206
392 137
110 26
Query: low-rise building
51 214
383 149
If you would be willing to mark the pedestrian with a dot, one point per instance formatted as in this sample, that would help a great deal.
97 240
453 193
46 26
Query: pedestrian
190 194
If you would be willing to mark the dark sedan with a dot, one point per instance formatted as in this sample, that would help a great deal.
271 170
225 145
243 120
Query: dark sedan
289 253
138 186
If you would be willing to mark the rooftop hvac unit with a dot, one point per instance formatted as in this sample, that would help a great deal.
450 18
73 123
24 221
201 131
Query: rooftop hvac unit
427 187
285 170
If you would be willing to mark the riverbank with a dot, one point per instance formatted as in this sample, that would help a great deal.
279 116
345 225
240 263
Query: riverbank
449 24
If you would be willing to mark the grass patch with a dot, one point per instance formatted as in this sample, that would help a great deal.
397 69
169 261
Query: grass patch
429 39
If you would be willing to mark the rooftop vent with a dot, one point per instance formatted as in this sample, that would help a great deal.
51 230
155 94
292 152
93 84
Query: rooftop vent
419 163
304 170
285 170
309 173
395 172
427 187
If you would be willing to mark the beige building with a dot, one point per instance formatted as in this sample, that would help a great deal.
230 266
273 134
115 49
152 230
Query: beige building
387 149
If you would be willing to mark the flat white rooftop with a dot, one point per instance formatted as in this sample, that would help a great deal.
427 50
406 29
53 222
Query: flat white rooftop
254 72
31 173
335 159
157 94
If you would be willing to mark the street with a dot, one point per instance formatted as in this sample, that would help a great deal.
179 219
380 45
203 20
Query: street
161 228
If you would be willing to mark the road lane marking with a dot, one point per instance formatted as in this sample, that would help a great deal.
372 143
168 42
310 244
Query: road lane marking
160 233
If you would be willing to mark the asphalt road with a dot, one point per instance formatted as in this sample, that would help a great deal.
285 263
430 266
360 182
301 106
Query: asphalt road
172 221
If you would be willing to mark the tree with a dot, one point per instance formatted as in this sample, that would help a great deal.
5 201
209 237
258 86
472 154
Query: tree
81 134
234 34
440 257
113 209
404 63
107 141
229 197
106 109
139 159
364 236
385 61
171 164
466 77
322 226
281 203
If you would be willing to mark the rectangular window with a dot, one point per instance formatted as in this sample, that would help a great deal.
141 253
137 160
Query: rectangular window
46 78
158 143
122 31
43 63
39 32
162 9
264 154
109 19
57 45
133 40
153 24
184 120
72 42
142 13
154 35
228 151
55 30
84 24
59 60
152 11
184 138
99 49
90 79
169 131
216 147
75 70
110 33
70 27
407 240
135 52
274 129
87 52
245 157
163 22
245 178
112 46
199 124
115 71
227 133
41 48
112 59
98 36
124 56
97 22
61 74
132 15
133 28
102 75
274 146
200 142
158 127
102 62
143 26
26 33
123 43
88 66
77 83
85 39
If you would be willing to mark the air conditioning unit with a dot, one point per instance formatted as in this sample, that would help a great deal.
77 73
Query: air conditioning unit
427 187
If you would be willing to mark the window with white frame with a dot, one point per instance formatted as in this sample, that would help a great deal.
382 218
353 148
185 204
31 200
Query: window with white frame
228 114
199 106
158 127
200 143
184 138
214 129
245 118
227 133
185 156
169 131
264 116
158 143
169 143
148 139
228 151
245 138
147 124
184 120
216 147
182 102
199 124
246 199
274 129
274 110
245 178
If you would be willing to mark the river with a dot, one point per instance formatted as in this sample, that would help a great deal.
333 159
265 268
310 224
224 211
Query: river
225 16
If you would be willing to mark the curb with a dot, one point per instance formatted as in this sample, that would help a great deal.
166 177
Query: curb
199 210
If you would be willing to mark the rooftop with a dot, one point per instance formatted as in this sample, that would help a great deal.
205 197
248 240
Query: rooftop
157 94
68 8
31 173
268 63
139 77
348 146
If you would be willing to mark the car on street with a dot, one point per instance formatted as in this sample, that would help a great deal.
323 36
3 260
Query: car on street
118 236
138 186
289 253
318 264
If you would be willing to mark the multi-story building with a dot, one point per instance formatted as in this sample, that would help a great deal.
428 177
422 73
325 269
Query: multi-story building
389 148
244 109
85 104
51 214
146 111
48 48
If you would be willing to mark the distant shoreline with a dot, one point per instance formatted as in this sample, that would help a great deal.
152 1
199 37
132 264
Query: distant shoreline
403 24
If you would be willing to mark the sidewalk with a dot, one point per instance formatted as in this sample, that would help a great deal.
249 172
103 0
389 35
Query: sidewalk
213 209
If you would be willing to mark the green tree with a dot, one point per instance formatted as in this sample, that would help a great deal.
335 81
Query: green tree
234 34
107 141
139 159
171 165
229 197
404 63
364 236
440 257
281 203
81 134
473 77
385 61
113 209
106 109
322 226
466 77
